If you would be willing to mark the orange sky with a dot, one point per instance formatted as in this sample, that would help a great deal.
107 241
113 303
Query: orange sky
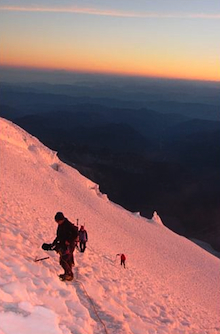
168 45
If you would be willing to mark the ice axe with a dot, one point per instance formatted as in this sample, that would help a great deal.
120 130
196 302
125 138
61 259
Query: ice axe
41 259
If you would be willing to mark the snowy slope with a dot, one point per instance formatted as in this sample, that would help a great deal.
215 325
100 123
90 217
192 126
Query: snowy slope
170 284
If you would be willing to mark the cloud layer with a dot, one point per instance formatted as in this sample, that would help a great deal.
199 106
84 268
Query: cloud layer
113 13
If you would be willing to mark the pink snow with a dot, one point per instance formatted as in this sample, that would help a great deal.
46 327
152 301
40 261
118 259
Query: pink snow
170 285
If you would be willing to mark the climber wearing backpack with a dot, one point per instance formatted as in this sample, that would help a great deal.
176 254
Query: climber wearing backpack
83 238
64 244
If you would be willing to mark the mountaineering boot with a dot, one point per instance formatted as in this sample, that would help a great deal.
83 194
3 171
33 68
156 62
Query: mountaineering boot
66 277
61 276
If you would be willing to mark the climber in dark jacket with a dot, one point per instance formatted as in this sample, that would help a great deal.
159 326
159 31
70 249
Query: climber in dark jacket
64 244
83 238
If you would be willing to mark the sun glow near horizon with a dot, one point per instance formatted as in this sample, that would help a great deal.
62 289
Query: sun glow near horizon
167 68
108 41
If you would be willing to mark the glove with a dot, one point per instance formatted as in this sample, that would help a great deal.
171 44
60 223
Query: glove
47 247
57 248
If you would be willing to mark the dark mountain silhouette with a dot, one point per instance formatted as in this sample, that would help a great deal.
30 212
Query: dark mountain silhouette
36 98
143 159
193 110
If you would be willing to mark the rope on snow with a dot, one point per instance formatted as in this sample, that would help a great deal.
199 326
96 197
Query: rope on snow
93 305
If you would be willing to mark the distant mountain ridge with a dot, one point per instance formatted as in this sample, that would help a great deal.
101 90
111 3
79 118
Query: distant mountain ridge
36 96
143 159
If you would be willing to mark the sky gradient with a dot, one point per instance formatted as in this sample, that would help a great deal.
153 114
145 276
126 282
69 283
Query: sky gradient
173 39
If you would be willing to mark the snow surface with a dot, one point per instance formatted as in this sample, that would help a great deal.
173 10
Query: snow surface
170 285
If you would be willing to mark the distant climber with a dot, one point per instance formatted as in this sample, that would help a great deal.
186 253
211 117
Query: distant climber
64 244
83 238
123 258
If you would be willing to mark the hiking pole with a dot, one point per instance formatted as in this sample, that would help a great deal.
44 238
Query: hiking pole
43 258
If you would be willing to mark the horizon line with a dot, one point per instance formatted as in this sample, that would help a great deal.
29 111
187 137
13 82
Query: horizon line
102 73
113 13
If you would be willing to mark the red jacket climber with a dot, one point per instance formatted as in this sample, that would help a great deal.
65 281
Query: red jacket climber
123 258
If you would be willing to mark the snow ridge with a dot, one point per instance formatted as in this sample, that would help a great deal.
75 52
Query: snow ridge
170 284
